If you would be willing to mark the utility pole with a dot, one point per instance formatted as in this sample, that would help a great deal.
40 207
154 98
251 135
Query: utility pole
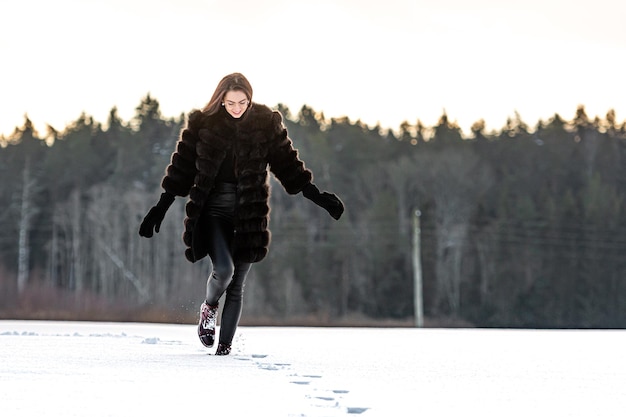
417 272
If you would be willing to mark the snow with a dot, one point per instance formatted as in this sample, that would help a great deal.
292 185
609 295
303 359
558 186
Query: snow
130 369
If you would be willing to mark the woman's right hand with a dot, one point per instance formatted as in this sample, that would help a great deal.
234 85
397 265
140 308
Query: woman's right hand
152 222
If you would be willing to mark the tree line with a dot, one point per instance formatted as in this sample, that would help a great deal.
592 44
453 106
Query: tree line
519 227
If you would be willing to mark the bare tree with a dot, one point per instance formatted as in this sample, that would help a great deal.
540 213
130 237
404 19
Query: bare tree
455 179
77 260
28 210
109 226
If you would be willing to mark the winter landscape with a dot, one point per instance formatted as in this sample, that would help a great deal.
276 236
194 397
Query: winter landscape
131 369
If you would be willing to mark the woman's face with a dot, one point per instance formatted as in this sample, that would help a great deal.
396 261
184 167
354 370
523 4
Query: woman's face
236 102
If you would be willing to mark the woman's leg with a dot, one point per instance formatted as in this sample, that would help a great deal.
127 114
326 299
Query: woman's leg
220 237
233 304
226 276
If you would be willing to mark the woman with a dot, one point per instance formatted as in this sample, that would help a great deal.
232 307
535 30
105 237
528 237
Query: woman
221 162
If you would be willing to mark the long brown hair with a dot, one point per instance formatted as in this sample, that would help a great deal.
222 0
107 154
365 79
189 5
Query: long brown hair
231 82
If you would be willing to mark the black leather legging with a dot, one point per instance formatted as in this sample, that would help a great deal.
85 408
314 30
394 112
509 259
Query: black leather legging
227 276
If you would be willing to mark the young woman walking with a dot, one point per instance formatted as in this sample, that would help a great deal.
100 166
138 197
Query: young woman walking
221 164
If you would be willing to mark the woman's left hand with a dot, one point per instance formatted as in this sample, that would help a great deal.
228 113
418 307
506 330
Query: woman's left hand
330 202
333 204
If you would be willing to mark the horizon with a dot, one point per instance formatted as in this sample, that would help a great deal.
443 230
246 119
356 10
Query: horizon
41 129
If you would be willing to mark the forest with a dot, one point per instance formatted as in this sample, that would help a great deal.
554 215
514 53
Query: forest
523 227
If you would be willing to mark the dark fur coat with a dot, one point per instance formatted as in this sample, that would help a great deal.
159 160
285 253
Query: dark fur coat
259 140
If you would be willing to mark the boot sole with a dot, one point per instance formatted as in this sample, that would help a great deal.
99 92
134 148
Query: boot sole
206 341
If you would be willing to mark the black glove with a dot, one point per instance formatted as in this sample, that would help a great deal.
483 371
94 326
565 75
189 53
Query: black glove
156 215
328 201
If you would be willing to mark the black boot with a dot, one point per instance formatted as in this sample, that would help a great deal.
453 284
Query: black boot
222 349
206 327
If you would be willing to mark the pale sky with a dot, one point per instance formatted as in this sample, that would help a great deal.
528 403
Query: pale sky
381 62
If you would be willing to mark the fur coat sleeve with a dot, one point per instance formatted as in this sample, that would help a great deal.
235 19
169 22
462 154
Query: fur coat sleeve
284 161
180 173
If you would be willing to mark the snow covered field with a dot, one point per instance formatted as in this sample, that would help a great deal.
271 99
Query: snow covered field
128 369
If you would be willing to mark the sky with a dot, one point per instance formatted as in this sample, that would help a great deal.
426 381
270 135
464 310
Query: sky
378 62
81 369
